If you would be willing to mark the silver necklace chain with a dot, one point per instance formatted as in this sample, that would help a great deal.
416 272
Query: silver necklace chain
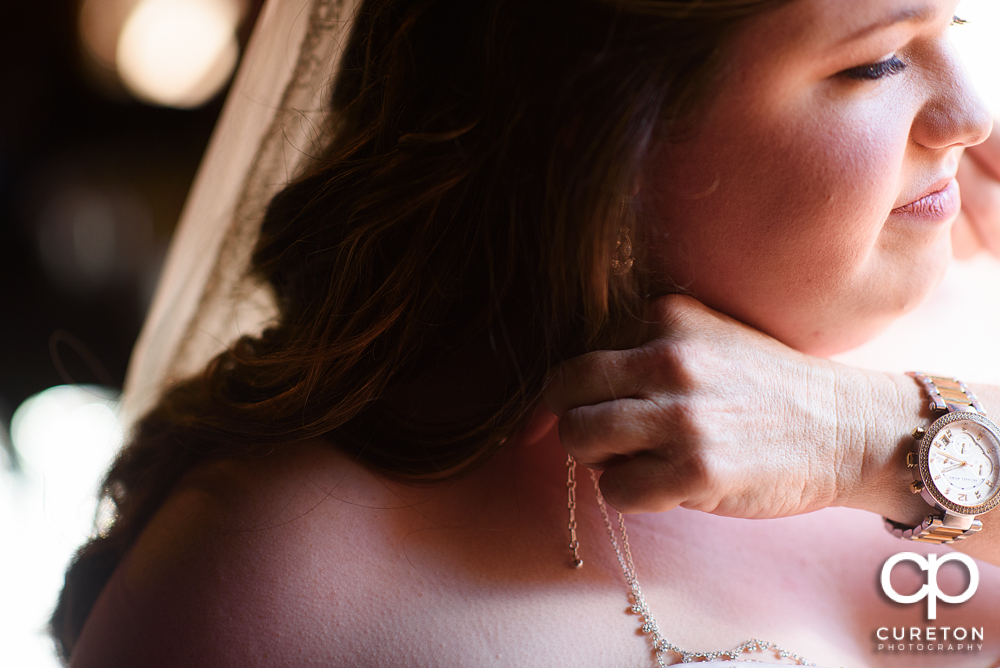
661 646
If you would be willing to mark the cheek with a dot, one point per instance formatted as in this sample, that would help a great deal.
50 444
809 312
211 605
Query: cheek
779 224
836 188
784 194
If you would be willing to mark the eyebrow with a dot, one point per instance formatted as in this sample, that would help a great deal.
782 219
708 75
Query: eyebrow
909 15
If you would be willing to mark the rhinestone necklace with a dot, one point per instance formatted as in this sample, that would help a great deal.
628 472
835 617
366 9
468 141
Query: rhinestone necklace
661 646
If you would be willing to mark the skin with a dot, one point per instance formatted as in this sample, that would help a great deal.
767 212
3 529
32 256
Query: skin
978 225
307 558
796 249
806 166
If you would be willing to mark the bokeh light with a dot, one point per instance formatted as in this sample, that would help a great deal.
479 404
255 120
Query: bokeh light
175 53
91 185
65 438
101 22
178 52
91 236
8 462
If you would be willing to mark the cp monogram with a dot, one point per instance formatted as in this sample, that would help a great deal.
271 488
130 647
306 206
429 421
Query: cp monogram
930 590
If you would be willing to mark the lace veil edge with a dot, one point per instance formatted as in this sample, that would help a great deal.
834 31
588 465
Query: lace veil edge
272 122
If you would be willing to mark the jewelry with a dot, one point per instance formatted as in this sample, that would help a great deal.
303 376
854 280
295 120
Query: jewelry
954 470
661 646
574 544
622 261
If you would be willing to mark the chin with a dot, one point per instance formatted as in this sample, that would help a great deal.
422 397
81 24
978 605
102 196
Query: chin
903 286
847 332
824 346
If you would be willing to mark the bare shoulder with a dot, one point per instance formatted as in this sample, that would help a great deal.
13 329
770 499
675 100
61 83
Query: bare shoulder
264 562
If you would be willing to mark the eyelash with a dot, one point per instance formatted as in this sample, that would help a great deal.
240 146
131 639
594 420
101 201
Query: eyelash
888 67
873 71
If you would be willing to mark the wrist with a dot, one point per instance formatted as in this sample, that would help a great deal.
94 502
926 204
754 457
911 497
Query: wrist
878 412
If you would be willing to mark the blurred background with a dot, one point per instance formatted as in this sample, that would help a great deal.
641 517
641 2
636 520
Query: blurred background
105 109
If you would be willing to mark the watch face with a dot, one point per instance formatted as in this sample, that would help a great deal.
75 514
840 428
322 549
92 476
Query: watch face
961 461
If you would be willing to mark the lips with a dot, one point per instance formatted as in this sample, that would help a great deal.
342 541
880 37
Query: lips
939 202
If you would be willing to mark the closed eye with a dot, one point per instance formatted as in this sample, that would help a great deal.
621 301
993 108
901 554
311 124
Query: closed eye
873 71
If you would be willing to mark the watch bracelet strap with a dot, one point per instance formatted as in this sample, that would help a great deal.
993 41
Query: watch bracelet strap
934 529
948 394
945 395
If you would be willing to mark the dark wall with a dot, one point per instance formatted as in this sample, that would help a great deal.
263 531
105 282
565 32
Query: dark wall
91 184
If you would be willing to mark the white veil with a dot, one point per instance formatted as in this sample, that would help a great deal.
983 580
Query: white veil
272 121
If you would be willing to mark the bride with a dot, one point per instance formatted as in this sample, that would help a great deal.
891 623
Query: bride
627 230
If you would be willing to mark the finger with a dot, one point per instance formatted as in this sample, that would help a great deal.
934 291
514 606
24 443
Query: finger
598 435
981 203
602 376
987 154
649 483
591 379
964 241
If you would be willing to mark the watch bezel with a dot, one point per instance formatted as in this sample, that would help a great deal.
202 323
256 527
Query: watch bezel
924 462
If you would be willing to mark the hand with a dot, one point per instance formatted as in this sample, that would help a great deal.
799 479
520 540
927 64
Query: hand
710 415
978 225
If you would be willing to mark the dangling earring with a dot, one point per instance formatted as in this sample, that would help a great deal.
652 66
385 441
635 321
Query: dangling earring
621 260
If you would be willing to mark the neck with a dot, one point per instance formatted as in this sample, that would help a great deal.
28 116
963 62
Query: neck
524 482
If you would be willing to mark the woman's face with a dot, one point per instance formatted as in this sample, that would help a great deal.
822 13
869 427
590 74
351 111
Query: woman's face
815 198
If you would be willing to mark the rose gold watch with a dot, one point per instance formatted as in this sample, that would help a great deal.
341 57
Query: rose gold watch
956 464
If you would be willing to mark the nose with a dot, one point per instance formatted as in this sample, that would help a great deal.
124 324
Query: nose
954 114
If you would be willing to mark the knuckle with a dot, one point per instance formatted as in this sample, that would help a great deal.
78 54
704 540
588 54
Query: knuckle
687 361
690 454
682 419
674 365
695 470
711 474
670 313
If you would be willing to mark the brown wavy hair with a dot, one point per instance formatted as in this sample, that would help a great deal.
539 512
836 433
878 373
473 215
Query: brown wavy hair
453 242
